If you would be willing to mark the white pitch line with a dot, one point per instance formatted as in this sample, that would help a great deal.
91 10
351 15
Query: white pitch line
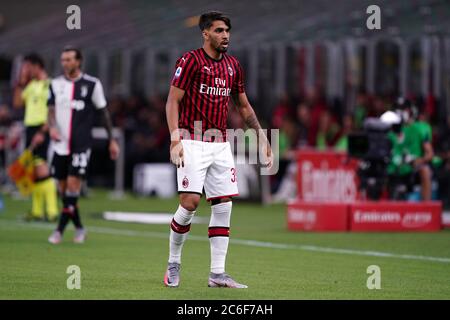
250 243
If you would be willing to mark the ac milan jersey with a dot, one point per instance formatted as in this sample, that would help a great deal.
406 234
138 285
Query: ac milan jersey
75 104
208 85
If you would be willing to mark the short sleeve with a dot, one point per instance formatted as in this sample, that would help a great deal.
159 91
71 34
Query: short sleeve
25 92
51 96
185 69
238 84
98 97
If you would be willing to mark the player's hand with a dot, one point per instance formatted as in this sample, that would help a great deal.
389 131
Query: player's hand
267 156
114 149
38 139
176 153
54 134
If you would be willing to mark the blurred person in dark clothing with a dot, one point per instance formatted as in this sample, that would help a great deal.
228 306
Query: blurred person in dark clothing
282 109
317 105
305 138
149 141
361 109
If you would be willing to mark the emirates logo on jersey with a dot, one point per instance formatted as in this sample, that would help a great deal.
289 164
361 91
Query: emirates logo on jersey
216 91
185 182
230 71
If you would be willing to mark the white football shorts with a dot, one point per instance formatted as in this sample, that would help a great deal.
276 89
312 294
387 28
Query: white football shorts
208 165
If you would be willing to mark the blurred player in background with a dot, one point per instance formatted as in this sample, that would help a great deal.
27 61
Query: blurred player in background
32 92
204 81
74 99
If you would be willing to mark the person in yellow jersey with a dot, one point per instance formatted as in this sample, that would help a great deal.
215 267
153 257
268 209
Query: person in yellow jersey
32 92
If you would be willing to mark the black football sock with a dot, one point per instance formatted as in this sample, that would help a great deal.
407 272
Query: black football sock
66 214
73 202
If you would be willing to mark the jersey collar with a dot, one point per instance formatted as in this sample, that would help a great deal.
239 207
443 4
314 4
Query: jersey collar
76 79
209 57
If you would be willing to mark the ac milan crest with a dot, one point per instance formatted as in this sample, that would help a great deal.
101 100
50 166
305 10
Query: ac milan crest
230 71
185 182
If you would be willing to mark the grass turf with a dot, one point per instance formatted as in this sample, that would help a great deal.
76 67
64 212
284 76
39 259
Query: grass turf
128 260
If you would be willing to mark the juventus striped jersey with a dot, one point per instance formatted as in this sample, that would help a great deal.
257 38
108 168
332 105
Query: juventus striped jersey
75 104
208 85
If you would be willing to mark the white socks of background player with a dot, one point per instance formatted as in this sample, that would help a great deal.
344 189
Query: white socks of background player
180 226
219 235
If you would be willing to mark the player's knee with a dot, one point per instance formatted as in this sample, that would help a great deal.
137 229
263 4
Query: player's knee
190 205
73 184
189 201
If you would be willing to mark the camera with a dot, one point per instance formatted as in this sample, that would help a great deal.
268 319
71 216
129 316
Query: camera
373 148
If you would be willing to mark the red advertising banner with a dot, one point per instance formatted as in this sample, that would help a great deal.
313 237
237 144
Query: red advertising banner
311 216
395 216
326 176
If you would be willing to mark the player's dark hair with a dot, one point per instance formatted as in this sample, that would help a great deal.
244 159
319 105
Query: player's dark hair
34 59
207 19
77 51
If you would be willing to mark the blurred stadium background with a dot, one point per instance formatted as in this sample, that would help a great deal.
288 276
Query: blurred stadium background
313 70
293 53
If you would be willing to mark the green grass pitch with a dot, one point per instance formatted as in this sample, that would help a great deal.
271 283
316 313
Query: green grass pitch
128 260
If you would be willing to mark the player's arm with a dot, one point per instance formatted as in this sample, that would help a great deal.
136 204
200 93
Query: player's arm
172 114
248 115
17 98
428 154
99 101
113 145
51 124
18 101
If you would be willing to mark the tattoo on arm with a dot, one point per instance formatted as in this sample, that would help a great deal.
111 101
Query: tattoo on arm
247 114
51 116
252 121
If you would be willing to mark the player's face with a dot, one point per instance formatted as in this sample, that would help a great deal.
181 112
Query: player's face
69 62
218 35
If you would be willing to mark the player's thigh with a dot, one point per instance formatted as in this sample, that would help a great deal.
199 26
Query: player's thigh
60 166
221 180
191 176
40 152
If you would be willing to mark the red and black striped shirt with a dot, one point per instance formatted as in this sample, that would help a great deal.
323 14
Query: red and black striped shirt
208 85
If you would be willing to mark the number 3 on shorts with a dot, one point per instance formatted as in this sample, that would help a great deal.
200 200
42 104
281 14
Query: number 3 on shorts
233 175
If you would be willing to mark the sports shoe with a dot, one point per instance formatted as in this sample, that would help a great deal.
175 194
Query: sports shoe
55 237
172 276
80 235
223 280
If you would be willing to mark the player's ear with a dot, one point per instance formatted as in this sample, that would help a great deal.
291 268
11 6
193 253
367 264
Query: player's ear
205 35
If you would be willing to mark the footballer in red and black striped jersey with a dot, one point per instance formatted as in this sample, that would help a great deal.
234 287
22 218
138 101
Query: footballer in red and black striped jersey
203 83
209 85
